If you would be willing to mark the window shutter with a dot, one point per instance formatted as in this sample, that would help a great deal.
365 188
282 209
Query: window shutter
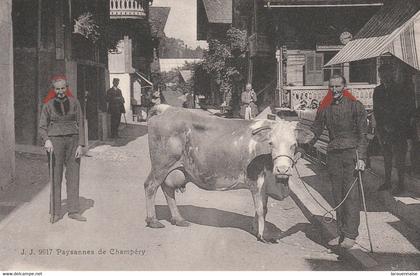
314 63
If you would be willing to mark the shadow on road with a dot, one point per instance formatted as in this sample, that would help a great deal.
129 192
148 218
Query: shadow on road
31 178
327 265
410 234
127 133
225 219
321 183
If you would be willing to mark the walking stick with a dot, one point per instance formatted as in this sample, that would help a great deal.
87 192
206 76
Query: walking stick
51 175
364 203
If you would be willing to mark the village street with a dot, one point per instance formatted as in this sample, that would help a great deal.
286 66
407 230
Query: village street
112 196
220 236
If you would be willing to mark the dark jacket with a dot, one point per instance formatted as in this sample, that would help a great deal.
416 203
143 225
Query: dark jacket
115 101
346 122
55 123
393 108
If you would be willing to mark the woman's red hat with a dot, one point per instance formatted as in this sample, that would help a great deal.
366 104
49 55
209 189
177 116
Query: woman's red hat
51 93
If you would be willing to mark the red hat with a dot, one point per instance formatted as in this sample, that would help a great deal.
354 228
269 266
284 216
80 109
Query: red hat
58 77
51 93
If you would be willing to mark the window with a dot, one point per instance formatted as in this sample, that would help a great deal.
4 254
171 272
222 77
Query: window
363 71
331 70
314 68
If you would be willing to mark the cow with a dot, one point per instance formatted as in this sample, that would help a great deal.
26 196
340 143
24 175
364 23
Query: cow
219 154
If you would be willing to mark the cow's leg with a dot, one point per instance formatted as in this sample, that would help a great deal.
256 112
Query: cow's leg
174 180
257 196
264 198
150 188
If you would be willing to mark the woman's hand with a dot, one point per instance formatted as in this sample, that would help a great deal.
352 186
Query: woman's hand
361 165
79 152
48 146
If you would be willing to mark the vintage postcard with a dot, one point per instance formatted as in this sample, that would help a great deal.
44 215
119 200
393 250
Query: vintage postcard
210 135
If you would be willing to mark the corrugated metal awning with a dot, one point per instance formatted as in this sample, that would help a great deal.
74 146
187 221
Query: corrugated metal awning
321 3
144 79
395 29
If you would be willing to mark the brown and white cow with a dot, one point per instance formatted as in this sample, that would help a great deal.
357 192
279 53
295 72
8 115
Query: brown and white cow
219 154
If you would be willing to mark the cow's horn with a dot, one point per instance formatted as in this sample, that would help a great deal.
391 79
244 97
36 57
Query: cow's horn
255 131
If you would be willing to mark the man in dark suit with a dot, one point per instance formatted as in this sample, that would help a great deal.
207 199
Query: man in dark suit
115 106
393 108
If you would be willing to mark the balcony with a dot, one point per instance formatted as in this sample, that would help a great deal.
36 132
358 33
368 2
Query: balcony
126 9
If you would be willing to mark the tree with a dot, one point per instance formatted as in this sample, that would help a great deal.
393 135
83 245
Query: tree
170 47
225 62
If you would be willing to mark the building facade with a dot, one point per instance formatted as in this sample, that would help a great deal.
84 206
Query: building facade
7 128
138 27
49 38
214 18
294 40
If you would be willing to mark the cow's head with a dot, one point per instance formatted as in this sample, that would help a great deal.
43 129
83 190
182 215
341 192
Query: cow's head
282 139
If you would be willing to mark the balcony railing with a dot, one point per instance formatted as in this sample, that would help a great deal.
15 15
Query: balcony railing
315 94
122 9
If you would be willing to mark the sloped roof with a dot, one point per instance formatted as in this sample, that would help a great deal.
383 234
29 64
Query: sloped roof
394 29
218 11
157 18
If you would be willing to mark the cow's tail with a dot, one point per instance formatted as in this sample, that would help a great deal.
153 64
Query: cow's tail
158 109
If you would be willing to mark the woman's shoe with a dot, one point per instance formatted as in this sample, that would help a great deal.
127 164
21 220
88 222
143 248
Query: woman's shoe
77 216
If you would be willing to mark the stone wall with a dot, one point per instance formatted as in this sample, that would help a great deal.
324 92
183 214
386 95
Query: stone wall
7 130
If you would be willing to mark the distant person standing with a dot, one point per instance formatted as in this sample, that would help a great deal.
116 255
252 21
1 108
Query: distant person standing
248 103
115 106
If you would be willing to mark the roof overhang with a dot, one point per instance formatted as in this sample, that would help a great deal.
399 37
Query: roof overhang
394 30
218 12
140 76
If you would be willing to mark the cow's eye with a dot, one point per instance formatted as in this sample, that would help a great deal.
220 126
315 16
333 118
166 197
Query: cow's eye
270 143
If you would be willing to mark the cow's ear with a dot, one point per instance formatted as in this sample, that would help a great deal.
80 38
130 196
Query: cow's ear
303 135
260 129
262 134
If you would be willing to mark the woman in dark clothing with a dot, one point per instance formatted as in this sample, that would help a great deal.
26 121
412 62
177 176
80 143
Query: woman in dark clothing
62 130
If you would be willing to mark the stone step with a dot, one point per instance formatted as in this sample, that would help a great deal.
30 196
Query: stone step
384 210
377 167
406 207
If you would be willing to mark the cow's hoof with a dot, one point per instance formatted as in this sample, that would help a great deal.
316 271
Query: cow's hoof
180 222
261 239
273 240
154 223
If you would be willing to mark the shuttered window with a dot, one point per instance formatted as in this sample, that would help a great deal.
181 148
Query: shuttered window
314 68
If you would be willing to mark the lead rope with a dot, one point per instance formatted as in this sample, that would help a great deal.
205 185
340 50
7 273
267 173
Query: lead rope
328 217
329 220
